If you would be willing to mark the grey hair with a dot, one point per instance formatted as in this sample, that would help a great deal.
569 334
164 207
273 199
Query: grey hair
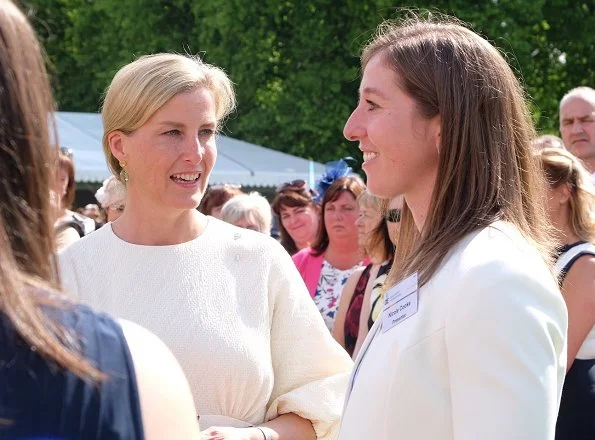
252 207
111 193
584 92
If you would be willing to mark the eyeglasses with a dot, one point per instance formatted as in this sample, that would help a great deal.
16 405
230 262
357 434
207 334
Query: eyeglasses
393 215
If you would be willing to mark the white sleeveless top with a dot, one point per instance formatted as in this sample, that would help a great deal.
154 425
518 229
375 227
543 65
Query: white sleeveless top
563 264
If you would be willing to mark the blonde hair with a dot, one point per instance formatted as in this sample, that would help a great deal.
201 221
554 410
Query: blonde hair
142 87
368 200
486 171
378 243
563 168
252 207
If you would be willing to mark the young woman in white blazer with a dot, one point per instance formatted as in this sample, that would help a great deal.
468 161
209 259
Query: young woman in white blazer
471 343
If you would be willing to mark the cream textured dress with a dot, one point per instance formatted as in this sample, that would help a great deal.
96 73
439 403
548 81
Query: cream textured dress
235 312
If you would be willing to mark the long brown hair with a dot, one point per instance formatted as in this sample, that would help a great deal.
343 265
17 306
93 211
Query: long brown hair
563 168
352 184
486 171
27 168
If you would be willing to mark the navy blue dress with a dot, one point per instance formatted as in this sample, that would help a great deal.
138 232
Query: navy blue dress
576 419
39 400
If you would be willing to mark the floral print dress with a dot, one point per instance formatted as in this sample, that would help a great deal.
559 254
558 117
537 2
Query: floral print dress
329 289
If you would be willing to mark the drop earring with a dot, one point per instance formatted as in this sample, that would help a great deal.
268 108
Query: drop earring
123 172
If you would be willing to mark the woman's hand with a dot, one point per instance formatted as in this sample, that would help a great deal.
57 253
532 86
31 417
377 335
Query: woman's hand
225 433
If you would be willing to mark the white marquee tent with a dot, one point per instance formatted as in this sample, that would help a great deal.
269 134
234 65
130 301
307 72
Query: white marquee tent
238 162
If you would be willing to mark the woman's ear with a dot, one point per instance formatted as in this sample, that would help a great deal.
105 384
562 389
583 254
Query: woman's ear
437 133
117 140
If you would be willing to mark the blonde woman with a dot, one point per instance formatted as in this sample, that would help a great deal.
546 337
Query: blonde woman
374 239
227 301
372 302
570 206
471 341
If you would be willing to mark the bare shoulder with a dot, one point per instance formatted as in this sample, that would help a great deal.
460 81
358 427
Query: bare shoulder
151 355
580 280
166 402
140 340
584 266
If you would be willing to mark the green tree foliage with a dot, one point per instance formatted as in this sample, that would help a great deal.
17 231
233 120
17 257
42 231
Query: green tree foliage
295 63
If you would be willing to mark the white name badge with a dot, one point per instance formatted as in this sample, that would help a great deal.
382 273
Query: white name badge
400 302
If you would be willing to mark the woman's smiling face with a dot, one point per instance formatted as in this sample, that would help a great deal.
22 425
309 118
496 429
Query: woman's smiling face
399 146
170 157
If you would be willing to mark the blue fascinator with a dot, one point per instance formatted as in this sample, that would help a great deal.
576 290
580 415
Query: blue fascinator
334 170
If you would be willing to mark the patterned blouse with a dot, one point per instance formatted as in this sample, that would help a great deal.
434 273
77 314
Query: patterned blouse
329 289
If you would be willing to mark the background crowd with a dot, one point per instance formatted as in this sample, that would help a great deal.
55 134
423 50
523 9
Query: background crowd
296 64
